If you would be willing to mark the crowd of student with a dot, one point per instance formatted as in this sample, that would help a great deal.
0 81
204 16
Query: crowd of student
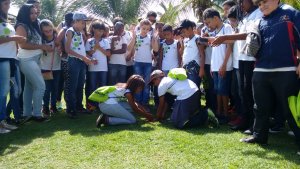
39 62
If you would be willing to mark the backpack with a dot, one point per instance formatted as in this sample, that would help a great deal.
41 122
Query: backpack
178 74
101 94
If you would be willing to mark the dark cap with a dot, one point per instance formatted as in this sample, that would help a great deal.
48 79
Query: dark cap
186 24
69 16
156 74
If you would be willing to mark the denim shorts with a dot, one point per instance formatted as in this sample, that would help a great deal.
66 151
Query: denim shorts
222 85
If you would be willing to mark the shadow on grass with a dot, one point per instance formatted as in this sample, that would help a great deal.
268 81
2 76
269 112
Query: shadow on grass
280 144
84 125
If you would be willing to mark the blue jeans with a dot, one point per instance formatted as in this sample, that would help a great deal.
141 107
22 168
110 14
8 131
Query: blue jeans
143 69
34 88
118 113
52 89
96 80
4 87
222 84
117 73
15 92
77 69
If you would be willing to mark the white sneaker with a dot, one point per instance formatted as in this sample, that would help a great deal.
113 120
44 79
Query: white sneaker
7 126
291 133
3 130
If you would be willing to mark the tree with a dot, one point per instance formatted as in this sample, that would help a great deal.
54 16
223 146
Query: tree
55 10
127 9
200 5
171 12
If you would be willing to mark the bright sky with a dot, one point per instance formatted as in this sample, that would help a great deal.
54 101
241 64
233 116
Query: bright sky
13 10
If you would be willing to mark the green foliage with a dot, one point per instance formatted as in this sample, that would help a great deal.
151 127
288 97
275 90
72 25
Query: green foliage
55 10
200 5
171 12
127 9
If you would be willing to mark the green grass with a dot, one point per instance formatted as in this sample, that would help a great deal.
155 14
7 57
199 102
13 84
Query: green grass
65 143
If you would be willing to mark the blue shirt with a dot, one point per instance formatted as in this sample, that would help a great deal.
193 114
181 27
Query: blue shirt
280 39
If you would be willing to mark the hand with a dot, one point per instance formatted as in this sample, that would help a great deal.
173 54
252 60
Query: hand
222 71
218 40
87 60
149 117
19 39
47 48
298 71
201 72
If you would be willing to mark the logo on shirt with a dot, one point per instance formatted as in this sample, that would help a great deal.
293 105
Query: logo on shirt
284 18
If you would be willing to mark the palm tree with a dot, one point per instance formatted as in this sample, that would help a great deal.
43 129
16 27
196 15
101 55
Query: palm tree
200 5
127 9
55 10
171 12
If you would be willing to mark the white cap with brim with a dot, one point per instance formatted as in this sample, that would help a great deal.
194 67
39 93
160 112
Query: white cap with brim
155 74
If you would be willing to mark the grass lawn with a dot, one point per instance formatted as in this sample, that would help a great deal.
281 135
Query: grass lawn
65 143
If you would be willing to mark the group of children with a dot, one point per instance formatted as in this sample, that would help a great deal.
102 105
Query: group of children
212 52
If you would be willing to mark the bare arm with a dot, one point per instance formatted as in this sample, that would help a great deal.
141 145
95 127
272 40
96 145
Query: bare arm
29 46
160 53
161 108
201 49
228 52
132 42
136 108
117 51
71 52
229 38
179 54
155 44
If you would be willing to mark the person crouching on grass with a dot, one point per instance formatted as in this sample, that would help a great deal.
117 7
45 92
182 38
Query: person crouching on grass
186 109
117 109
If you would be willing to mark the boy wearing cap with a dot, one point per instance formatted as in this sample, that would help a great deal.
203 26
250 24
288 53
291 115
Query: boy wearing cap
193 57
77 61
186 109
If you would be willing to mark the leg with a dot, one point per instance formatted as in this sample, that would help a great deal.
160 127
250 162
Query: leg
54 92
282 92
210 95
265 100
122 73
138 69
80 84
46 99
119 115
113 74
102 78
72 84
38 84
146 91
4 87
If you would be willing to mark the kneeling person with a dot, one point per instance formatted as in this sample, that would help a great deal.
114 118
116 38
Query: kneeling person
186 109
120 102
